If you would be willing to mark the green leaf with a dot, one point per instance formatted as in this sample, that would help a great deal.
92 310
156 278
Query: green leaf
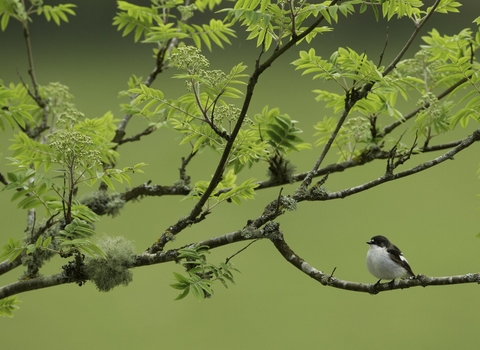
31 248
39 242
4 22
57 13
19 194
47 241
29 203
8 305
279 130
197 292
106 179
183 294
181 278
180 286
11 250
198 267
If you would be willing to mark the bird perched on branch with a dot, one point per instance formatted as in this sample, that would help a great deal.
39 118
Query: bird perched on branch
386 261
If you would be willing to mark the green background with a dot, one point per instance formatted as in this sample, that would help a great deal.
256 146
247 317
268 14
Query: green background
432 216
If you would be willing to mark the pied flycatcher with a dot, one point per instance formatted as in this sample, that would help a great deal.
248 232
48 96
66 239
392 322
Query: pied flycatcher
386 261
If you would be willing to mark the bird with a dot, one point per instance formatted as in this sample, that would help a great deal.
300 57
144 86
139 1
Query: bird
386 261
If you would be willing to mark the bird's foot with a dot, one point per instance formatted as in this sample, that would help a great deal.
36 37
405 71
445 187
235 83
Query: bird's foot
374 288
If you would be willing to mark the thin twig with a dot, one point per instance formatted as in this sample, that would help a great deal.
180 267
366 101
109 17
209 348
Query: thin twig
138 136
384 49
227 260
404 49
183 170
291 5
402 158
392 154
331 275
279 199
31 69
308 179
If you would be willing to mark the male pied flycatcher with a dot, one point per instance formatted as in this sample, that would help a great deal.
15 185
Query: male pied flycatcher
386 261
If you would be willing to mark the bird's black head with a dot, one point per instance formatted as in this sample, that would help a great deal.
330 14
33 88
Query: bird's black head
381 241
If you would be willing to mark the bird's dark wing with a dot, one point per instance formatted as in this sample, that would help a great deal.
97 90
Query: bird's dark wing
397 256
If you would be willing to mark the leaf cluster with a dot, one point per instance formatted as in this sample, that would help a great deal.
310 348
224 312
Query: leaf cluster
279 130
206 118
202 275
165 21
8 306
73 238
344 64
76 236
79 156
17 108
227 190
354 132
406 8
15 9
443 61
48 171
271 22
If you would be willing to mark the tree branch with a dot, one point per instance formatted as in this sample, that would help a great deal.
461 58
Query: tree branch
272 232
149 190
144 259
6 265
318 195
154 190
33 284
329 280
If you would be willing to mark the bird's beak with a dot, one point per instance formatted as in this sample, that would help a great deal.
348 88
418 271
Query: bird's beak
369 242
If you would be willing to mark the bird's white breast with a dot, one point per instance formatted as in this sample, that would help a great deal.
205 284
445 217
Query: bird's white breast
382 266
